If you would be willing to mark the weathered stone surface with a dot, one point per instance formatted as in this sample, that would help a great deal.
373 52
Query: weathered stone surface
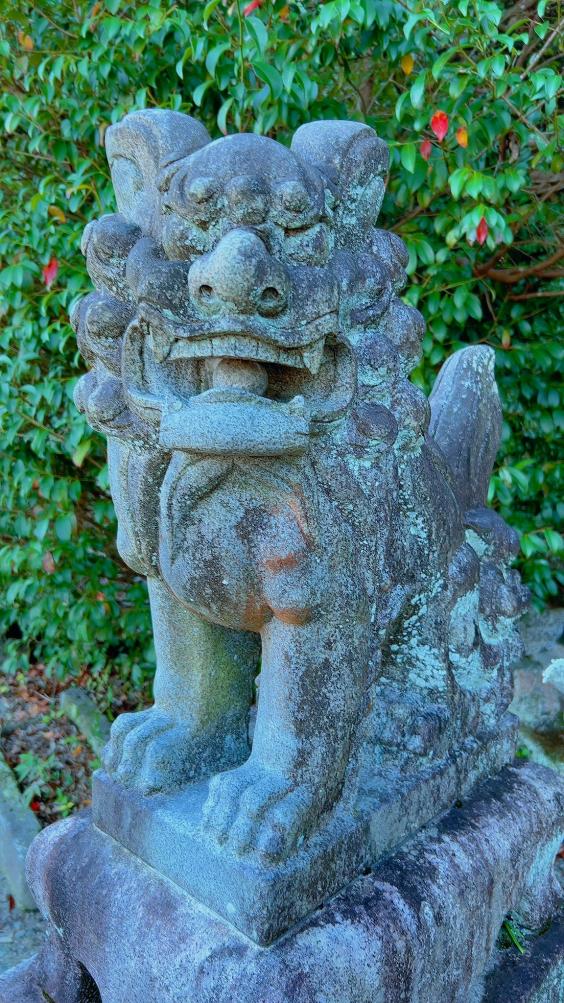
536 978
21 931
285 489
262 900
401 932
539 678
18 827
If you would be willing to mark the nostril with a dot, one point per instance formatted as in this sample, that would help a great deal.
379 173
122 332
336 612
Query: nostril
270 296
271 300
206 292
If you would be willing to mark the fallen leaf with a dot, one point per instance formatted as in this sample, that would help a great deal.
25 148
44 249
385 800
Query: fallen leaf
407 63
439 125
425 149
50 272
482 231
462 136
11 903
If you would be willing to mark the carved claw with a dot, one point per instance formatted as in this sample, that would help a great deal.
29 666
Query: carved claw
251 809
150 751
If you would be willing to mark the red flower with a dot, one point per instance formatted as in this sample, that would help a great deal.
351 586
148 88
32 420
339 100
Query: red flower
50 272
253 5
482 231
425 149
35 805
439 125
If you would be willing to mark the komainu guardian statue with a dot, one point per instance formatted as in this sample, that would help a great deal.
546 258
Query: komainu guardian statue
322 803
292 499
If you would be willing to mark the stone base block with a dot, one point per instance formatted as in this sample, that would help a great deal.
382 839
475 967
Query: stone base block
165 831
420 928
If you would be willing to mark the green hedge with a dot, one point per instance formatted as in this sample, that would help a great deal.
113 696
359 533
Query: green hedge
477 208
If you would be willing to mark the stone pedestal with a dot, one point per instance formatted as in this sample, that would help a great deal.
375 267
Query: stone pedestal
422 925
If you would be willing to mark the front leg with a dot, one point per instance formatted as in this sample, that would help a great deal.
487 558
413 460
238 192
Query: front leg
311 694
198 724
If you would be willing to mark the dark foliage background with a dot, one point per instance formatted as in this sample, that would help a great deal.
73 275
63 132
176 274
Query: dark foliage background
478 210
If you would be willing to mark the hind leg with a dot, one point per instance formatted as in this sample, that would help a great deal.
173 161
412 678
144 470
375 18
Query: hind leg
198 724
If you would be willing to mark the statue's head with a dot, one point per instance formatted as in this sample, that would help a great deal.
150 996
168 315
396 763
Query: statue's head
255 279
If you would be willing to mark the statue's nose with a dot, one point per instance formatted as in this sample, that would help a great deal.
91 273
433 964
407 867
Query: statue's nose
239 274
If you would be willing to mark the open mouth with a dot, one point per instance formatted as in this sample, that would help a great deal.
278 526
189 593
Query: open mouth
234 415
224 390
257 339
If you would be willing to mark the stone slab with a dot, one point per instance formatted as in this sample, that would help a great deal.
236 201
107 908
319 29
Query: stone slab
81 708
18 827
423 926
262 901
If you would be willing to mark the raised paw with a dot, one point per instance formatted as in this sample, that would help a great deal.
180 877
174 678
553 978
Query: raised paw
149 750
252 809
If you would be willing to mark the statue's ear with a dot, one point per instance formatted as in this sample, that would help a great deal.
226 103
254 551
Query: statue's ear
354 163
139 148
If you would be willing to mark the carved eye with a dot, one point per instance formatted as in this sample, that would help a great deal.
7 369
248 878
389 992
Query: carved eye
248 201
293 197
308 244
201 190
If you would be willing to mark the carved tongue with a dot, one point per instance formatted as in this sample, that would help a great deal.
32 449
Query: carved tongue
242 374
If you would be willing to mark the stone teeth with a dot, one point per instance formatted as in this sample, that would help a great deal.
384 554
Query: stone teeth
312 356
162 345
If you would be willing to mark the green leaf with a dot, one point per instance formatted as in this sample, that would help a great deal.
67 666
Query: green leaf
63 527
81 452
457 180
258 32
214 55
440 63
270 75
200 90
555 541
222 115
417 90
407 156
208 10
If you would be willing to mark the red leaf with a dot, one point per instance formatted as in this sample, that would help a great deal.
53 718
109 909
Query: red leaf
50 272
35 805
11 903
439 125
253 5
425 149
482 231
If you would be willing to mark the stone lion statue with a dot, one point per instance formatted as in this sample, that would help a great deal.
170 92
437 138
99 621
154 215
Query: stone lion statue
285 489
